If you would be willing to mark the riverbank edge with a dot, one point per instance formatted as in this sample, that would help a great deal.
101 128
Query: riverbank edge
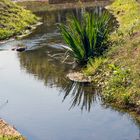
28 23
8 132
24 34
116 73
45 6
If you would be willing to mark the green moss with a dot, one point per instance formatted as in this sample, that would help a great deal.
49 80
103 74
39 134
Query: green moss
14 20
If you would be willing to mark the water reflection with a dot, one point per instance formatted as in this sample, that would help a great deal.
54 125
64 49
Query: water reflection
40 62
53 73
51 18
82 95
44 67
48 34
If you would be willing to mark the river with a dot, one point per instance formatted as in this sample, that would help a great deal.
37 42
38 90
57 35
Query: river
38 99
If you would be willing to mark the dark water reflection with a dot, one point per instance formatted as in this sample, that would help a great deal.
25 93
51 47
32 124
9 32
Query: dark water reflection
53 73
51 70
42 103
82 95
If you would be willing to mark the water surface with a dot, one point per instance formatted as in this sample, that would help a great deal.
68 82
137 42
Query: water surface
38 99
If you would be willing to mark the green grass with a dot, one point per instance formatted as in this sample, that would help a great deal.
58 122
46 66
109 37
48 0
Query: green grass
87 38
119 76
11 138
127 13
122 85
14 20
94 65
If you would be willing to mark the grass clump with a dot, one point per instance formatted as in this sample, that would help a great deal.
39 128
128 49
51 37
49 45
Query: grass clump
117 85
14 20
122 84
119 76
87 38
94 66
11 138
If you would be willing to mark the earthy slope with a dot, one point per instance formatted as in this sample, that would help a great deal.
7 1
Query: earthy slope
14 20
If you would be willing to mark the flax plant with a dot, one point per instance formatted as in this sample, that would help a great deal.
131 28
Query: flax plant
87 38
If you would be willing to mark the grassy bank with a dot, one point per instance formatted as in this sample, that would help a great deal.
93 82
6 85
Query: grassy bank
14 20
11 138
117 72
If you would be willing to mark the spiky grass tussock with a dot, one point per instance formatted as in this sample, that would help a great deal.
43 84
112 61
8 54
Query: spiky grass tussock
87 38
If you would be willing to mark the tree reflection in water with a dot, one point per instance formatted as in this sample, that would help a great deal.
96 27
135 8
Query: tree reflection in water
82 94
53 73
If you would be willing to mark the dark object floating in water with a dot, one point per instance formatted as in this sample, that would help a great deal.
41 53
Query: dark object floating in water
19 49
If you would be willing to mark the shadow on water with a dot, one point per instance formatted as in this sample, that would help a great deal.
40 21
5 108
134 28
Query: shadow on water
44 67
82 95
53 73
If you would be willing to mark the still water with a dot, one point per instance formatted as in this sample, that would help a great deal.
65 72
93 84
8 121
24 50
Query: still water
38 99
